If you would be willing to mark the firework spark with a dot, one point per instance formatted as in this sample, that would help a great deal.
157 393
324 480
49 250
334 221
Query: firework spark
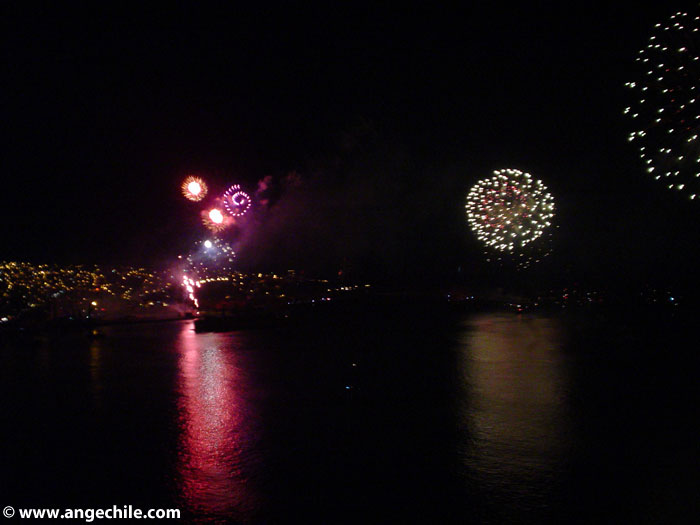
189 284
666 112
211 257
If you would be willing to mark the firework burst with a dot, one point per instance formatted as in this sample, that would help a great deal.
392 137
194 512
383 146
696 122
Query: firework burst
236 201
194 188
211 256
215 220
508 212
666 112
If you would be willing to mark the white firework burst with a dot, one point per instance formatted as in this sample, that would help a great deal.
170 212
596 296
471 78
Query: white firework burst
666 111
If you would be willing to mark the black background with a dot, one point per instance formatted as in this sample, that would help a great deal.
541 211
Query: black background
387 114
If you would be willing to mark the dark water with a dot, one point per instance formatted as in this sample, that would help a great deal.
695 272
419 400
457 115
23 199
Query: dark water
404 417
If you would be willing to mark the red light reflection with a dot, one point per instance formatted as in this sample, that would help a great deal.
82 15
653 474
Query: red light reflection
214 431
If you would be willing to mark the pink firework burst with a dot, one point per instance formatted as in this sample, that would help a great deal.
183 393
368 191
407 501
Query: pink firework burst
236 201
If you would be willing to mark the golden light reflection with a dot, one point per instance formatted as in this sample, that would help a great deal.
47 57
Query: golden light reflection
95 366
514 415
215 433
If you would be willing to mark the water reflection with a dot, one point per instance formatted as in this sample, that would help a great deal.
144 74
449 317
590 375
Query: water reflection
215 431
514 417
95 368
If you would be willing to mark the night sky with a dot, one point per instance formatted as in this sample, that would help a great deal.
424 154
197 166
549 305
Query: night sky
385 116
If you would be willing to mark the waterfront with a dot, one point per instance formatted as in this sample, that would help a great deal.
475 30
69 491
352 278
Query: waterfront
374 417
